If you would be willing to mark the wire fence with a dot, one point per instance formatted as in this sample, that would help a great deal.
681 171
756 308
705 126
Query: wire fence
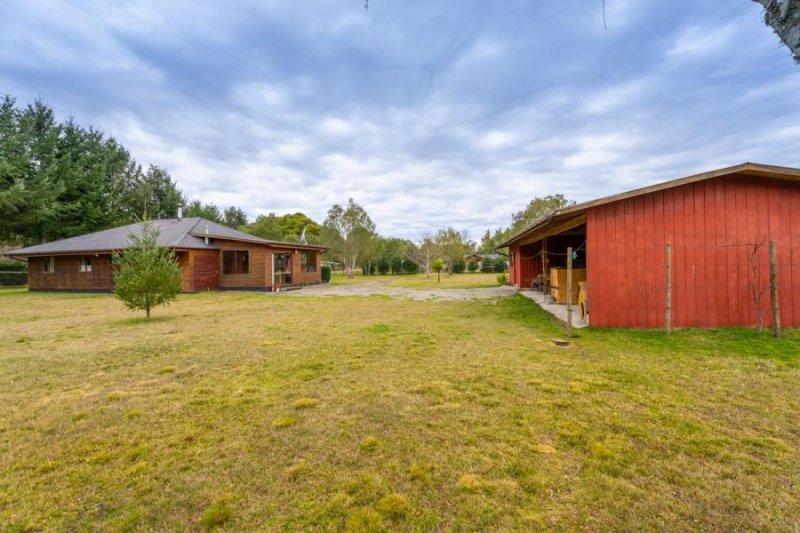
13 278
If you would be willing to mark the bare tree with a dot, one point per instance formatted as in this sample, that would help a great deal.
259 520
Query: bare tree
349 231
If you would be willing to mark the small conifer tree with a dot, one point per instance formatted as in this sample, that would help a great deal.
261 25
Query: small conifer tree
146 274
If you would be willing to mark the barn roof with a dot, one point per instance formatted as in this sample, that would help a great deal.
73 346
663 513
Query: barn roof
185 233
575 215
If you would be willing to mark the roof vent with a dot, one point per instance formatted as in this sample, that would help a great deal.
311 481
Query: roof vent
180 214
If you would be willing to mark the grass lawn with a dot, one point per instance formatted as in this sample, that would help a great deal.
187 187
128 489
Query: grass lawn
474 280
243 411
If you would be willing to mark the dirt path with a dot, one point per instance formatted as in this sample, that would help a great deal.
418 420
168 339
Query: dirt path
378 287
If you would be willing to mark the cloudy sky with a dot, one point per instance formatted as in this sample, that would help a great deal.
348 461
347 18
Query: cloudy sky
429 113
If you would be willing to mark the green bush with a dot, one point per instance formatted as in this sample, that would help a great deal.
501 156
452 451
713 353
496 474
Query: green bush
383 266
502 279
410 267
487 265
473 266
500 264
398 264
7 265
458 266
326 273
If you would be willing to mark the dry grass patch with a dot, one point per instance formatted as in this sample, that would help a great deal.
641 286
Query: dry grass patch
283 422
625 430
304 403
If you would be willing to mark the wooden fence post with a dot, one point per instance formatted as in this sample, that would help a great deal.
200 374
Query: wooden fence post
773 288
569 291
668 291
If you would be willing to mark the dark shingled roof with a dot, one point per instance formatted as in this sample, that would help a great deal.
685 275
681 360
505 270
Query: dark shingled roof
186 233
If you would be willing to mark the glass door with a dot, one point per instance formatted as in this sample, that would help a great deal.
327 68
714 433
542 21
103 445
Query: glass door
282 270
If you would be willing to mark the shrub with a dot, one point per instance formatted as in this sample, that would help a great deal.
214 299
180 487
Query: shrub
499 264
398 265
383 266
410 267
326 273
458 266
473 266
487 265
502 279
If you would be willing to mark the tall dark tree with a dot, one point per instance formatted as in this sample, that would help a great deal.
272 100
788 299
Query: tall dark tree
209 211
155 194
234 217
59 180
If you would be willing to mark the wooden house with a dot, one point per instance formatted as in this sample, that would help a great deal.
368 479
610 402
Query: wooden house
211 256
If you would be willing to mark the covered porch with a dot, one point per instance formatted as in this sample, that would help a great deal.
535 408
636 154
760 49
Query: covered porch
539 265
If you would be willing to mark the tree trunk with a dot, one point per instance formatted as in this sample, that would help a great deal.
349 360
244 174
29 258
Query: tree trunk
783 16
147 313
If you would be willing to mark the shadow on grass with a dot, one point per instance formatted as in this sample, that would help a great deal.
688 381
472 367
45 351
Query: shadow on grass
734 342
140 320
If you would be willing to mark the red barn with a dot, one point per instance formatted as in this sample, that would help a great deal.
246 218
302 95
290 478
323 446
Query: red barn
718 224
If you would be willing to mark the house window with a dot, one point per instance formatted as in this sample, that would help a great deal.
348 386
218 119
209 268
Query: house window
308 262
235 262
86 264
49 265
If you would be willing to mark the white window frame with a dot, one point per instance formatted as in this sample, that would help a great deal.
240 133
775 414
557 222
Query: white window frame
86 264
49 264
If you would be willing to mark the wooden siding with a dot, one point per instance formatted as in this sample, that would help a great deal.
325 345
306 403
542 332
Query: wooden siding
259 273
206 270
712 226
526 264
201 270
67 275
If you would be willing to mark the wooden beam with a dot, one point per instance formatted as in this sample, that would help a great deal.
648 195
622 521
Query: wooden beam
555 230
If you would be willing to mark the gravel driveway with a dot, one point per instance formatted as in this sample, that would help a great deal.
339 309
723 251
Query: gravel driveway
377 287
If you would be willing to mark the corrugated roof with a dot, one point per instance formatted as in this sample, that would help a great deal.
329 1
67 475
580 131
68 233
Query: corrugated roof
186 233
745 169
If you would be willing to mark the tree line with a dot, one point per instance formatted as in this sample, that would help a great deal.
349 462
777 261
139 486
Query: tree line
59 179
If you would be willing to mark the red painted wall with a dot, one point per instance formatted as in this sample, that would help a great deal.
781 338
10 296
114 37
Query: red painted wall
528 263
712 226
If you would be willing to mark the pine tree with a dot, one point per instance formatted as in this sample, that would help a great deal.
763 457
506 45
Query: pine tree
147 274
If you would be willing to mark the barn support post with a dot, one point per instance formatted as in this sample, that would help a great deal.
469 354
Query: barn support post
569 291
545 273
668 290
773 288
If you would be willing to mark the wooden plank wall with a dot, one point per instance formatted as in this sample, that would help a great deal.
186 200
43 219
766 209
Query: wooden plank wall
206 270
259 275
67 275
712 226
529 264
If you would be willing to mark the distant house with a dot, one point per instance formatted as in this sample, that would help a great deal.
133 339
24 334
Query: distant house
480 258
718 225
211 256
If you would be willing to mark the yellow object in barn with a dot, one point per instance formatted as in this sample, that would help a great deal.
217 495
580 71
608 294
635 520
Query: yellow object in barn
558 283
